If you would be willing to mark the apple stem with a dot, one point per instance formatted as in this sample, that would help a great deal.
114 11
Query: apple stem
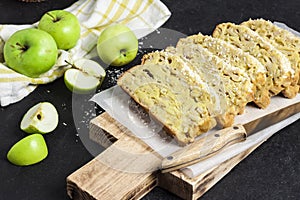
82 70
22 47
55 19
69 63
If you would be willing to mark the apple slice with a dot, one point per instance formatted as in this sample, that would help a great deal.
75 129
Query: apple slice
85 76
29 150
41 118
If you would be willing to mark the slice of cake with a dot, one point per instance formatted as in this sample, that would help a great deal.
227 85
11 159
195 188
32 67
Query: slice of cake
231 82
213 99
238 58
284 41
277 64
172 94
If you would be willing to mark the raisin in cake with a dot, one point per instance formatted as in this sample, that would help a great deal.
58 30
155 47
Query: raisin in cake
238 58
170 93
284 41
277 64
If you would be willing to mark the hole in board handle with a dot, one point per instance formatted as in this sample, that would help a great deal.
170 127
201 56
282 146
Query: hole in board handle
170 158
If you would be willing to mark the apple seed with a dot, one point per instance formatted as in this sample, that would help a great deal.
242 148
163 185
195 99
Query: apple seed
123 52
39 116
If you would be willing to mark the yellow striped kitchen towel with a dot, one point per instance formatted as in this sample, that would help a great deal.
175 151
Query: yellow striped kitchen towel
142 16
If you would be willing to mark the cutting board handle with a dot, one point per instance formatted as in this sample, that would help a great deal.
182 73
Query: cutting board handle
114 174
204 148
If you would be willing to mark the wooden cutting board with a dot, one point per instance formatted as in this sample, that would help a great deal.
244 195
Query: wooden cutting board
101 178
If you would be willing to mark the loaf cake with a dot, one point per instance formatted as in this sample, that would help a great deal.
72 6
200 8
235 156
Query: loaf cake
232 82
238 58
280 72
170 92
206 80
284 41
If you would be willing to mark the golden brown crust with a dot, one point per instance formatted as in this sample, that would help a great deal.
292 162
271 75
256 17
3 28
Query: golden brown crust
233 82
285 42
237 57
278 66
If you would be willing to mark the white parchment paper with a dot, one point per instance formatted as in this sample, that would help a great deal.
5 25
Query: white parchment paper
117 104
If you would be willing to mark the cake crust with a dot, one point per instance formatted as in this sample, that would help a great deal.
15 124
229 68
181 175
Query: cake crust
286 42
238 58
280 72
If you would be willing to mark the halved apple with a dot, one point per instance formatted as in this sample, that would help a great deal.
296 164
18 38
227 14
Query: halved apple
29 150
84 76
41 118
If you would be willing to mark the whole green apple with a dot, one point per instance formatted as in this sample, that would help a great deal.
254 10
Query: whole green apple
29 150
30 52
63 26
117 45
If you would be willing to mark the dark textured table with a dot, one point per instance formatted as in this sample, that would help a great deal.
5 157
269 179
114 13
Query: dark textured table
270 172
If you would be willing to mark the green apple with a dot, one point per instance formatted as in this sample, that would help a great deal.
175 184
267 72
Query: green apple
30 52
117 45
85 76
63 26
29 150
1 50
41 118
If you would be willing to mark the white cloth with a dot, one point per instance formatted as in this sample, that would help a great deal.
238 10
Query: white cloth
142 16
